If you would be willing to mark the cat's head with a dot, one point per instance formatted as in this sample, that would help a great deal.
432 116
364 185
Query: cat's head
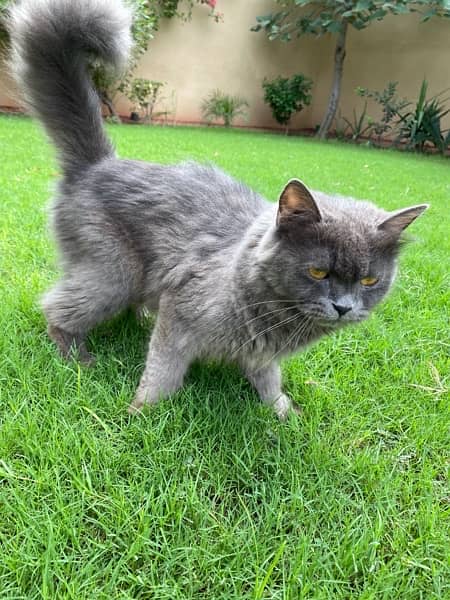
335 257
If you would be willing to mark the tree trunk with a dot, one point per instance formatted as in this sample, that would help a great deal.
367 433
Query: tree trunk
106 100
333 102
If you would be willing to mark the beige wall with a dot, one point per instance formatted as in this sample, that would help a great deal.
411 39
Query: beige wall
8 94
196 57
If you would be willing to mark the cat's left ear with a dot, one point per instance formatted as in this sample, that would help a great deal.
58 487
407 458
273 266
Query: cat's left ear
400 220
296 202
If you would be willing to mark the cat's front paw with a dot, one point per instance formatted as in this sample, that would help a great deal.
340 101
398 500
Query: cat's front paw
283 406
139 403
134 408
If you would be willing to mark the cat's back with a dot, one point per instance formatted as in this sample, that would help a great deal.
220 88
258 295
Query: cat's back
180 222
188 197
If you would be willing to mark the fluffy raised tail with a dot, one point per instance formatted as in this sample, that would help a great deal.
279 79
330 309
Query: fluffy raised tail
52 42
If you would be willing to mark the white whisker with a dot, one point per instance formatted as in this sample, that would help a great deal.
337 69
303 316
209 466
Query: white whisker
284 322
254 304
266 314
300 330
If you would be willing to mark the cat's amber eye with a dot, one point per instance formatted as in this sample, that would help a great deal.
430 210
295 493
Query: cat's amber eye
368 281
317 273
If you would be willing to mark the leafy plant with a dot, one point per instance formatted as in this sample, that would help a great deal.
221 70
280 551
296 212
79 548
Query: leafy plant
219 105
423 124
144 94
287 96
360 125
147 16
107 86
145 24
391 107
168 8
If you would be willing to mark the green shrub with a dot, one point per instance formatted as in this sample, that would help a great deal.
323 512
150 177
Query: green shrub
221 106
287 96
144 94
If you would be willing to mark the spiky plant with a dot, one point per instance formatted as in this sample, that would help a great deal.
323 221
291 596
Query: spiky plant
220 106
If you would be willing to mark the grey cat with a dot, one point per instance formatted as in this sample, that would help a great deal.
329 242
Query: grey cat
230 275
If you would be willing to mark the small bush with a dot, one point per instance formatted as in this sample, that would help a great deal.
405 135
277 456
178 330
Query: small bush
287 96
144 94
221 106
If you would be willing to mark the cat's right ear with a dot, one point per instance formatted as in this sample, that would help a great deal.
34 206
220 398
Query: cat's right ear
401 219
296 204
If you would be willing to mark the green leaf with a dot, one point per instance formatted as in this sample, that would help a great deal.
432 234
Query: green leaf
378 14
334 27
400 9
264 21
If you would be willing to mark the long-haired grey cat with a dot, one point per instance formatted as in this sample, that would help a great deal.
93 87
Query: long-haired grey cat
230 275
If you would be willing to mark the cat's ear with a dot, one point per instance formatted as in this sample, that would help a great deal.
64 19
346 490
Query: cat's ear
296 202
399 220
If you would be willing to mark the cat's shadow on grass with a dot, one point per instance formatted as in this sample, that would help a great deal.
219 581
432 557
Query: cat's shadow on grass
121 345
214 394
216 416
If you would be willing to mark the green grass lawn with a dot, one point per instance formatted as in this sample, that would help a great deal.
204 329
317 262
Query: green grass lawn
209 496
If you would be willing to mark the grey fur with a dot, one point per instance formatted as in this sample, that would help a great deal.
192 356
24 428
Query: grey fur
226 271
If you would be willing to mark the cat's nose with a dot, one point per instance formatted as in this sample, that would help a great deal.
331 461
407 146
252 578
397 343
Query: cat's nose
340 309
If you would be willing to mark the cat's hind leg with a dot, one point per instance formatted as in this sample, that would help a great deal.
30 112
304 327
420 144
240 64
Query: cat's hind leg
82 299
166 364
